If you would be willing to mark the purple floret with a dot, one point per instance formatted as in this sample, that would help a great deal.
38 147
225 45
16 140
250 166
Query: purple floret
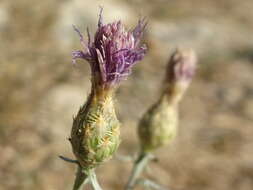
113 52
182 66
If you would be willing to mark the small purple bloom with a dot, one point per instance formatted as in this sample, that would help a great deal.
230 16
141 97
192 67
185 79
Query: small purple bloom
113 52
182 66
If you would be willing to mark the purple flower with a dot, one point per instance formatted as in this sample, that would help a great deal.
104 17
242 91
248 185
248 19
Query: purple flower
113 52
182 66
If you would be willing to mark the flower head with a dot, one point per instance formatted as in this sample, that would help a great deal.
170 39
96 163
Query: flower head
180 71
113 51
158 125
181 66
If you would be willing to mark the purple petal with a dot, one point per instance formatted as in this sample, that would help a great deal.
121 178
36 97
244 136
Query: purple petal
80 55
81 38
77 55
139 29
100 20
101 65
88 34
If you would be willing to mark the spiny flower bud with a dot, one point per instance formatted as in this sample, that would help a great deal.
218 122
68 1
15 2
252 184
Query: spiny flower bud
95 132
158 126
96 129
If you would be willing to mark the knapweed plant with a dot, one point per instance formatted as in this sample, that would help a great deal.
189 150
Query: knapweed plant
158 126
95 134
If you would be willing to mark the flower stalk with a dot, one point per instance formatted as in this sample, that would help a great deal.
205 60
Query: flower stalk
81 179
158 126
95 134
93 180
139 166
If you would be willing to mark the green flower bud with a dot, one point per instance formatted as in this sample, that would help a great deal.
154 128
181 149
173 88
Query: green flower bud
95 134
159 124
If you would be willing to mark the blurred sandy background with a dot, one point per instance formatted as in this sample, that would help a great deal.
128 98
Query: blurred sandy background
40 91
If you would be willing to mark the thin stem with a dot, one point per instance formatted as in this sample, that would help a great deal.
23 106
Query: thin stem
81 179
150 184
93 180
139 166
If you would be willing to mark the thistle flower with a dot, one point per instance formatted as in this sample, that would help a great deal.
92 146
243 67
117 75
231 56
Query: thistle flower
113 52
111 55
158 125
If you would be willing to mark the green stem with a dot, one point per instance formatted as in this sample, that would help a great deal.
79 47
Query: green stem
139 166
81 179
150 184
93 180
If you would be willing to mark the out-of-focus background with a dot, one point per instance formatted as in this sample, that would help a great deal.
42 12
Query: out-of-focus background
40 91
